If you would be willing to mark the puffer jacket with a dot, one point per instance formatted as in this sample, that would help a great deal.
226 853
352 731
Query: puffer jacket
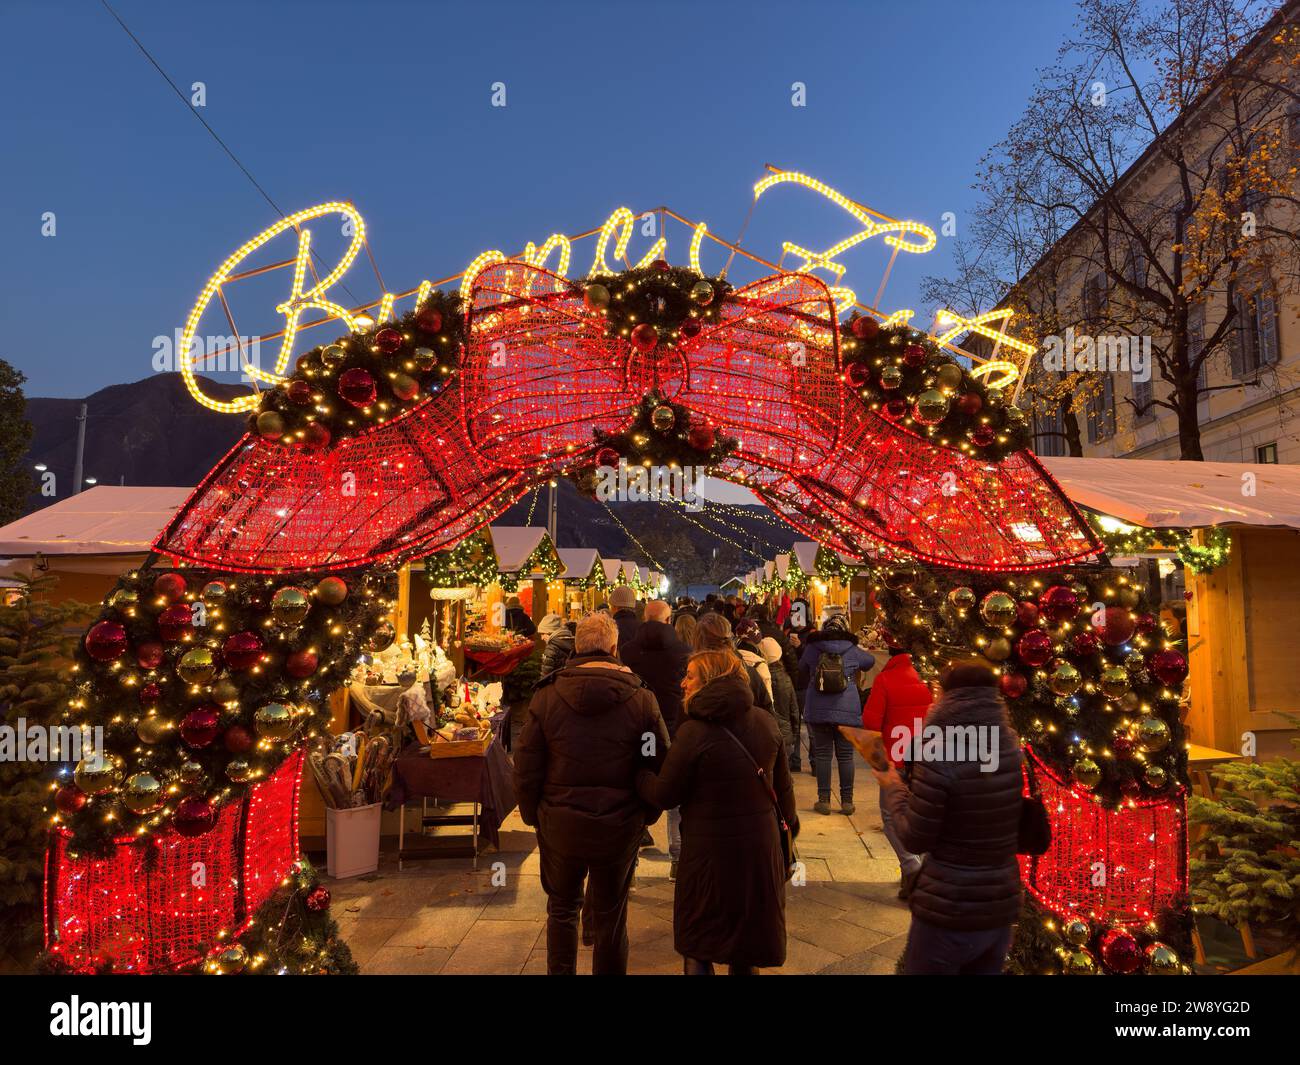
964 819
579 753
899 699
833 708
559 649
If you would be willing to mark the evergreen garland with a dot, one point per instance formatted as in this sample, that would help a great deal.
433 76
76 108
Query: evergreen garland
1136 540
671 299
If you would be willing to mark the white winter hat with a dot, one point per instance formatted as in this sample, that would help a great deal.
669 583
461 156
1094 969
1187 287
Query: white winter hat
622 598
769 649
550 625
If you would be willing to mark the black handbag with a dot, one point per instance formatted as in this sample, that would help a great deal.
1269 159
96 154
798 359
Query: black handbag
788 852
1034 835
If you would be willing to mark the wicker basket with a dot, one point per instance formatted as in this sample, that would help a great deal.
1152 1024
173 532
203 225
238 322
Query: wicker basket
460 748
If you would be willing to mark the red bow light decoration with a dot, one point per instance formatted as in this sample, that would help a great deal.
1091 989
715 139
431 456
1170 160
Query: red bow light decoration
540 374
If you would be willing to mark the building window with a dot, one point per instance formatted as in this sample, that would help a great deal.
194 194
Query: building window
1049 433
1101 411
1256 339
1195 342
1094 298
1143 394
1266 453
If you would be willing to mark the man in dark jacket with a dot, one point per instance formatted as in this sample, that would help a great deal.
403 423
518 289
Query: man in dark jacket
961 808
622 601
657 655
593 725
517 619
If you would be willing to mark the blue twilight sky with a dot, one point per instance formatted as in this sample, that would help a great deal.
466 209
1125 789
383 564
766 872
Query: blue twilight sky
388 104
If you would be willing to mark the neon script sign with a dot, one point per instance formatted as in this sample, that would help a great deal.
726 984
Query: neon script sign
902 236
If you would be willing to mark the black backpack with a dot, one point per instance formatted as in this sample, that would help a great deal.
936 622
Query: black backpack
829 677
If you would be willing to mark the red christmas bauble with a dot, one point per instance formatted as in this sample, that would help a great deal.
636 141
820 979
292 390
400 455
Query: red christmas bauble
199 726
1169 666
857 373
1058 604
429 319
242 650
1119 951
149 694
388 340
607 456
970 404
299 392
301 664
194 816
318 899
316 437
983 435
702 437
914 355
1013 685
864 328
69 799
1026 613
1147 624
895 408
106 641
1084 645
357 387
332 590
169 586
237 739
1115 626
691 328
174 622
149 654
661 265
1034 648
645 337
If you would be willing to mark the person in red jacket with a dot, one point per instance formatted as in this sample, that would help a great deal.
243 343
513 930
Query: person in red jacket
897 705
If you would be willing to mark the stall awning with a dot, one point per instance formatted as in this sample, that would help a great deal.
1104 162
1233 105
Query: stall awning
104 520
1163 494
579 562
613 566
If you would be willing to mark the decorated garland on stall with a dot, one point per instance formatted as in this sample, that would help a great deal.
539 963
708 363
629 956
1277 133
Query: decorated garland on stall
543 560
469 562
913 382
1136 540
359 381
204 682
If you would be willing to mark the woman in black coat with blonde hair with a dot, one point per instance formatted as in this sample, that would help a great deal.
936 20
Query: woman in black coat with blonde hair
729 905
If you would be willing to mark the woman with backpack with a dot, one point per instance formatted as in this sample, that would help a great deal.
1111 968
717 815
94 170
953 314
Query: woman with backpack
724 768
833 663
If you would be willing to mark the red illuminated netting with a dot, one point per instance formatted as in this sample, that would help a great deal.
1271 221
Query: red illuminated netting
1127 864
539 375
143 913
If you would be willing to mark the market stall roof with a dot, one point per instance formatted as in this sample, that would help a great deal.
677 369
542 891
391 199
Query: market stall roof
631 571
514 545
1163 494
613 566
579 562
104 520
782 562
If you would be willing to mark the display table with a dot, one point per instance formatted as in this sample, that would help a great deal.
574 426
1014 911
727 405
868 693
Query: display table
484 781
499 663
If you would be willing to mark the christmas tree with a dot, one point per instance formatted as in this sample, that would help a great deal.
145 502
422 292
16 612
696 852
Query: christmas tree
37 642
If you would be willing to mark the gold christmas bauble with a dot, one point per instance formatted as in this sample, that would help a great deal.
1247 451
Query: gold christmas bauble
662 418
1064 680
1162 960
1079 963
998 650
702 293
238 771
230 961
1114 681
931 406
143 793
425 358
332 355
190 774
1076 931
891 377
1155 776
197 666
290 605
1130 703
998 609
331 591
1152 733
270 425
123 598
949 377
962 598
274 721
214 592
99 773
1086 773
596 297
153 728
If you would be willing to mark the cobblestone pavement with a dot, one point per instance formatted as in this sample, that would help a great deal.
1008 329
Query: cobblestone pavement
441 916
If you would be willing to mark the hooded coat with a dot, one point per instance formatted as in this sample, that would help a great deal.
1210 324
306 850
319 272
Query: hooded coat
658 656
899 698
965 820
579 753
729 901
833 708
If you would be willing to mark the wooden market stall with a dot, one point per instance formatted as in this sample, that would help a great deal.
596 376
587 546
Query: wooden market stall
583 582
